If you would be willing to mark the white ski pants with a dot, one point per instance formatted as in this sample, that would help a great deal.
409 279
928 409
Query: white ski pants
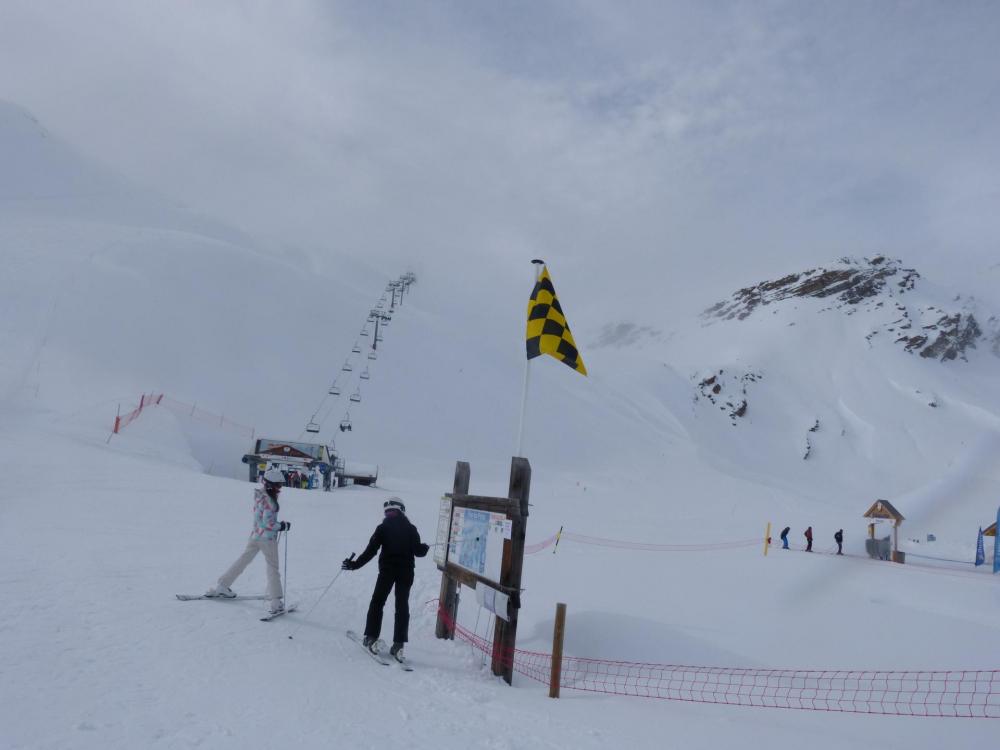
270 549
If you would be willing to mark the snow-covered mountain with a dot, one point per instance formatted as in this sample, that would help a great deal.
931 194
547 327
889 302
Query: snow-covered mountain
797 401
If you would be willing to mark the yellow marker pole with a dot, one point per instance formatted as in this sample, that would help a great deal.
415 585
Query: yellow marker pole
558 537
767 538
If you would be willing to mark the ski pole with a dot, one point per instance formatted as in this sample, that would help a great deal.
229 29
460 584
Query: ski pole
328 586
284 588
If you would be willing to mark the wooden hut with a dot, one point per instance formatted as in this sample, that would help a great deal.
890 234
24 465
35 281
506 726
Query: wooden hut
990 530
885 510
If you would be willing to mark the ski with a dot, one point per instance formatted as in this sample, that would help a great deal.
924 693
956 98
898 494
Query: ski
193 597
377 657
402 662
276 615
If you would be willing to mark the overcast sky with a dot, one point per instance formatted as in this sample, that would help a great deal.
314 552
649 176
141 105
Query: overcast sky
654 152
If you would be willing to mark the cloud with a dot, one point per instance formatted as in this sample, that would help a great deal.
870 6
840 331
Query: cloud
656 154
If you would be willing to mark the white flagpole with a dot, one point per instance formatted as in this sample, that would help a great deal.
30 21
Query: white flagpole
539 265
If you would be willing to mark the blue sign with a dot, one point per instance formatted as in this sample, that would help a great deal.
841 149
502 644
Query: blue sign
996 546
980 550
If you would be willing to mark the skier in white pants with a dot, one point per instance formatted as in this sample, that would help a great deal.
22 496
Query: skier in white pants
263 538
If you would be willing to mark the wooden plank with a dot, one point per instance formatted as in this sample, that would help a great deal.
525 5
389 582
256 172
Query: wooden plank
481 502
520 483
467 577
505 633
448 595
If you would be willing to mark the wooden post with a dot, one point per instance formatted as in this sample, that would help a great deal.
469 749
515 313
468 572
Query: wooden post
448 595
505 633
558 631
767 538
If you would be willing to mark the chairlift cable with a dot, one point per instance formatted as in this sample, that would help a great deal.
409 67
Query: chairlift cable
376 312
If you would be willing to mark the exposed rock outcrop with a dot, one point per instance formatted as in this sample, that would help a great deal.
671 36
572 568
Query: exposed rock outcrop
873 285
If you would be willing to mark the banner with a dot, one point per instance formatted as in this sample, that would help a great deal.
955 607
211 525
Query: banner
548 332
980 549
996 546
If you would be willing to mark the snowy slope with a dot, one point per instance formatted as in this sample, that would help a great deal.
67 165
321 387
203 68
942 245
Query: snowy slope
104 302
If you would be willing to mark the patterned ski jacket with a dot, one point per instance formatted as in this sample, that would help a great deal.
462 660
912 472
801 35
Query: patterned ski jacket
265 516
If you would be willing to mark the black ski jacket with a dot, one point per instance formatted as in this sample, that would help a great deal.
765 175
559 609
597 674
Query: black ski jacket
399 541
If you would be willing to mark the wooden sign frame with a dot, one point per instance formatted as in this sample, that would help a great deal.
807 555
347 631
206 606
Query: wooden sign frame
515 508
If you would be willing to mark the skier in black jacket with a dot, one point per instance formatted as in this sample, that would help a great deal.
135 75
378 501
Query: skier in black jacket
400 543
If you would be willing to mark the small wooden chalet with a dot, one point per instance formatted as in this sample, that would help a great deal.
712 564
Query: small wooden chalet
885 510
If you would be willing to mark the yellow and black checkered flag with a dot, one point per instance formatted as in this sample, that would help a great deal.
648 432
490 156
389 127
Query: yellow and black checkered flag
548 332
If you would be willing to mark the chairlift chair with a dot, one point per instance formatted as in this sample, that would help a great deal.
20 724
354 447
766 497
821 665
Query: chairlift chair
356 349
347 366
334 390
364 331
378 338
345 423
356 396
372 354
312 426
365 375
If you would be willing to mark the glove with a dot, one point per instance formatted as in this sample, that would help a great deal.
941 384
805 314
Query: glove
422 549
284 526
349 564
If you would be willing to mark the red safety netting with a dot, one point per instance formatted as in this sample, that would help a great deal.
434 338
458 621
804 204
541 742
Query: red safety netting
595 541
124 420
949 693
530 549
197 414
191 411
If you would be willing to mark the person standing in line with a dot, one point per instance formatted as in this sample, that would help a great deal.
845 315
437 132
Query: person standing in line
809 539
400 544
263 538
784 537
839 539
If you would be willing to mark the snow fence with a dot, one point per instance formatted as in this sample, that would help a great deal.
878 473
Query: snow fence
944 693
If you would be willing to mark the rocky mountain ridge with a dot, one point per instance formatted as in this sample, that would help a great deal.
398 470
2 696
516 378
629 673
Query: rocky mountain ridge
878 286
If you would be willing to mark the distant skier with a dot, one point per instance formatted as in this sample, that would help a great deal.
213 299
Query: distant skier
400 543
809 539
263 538
839 539
784 537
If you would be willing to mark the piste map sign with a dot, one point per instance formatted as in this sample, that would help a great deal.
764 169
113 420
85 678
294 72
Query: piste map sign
476 541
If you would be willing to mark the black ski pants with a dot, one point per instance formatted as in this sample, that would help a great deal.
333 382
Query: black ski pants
388 578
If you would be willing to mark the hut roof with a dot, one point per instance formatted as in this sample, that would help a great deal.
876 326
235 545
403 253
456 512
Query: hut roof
990 530
884 509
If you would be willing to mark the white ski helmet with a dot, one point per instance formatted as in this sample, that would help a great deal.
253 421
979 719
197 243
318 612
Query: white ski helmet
394 503
274 476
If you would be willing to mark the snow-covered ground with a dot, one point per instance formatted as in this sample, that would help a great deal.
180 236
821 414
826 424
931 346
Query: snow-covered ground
105 299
